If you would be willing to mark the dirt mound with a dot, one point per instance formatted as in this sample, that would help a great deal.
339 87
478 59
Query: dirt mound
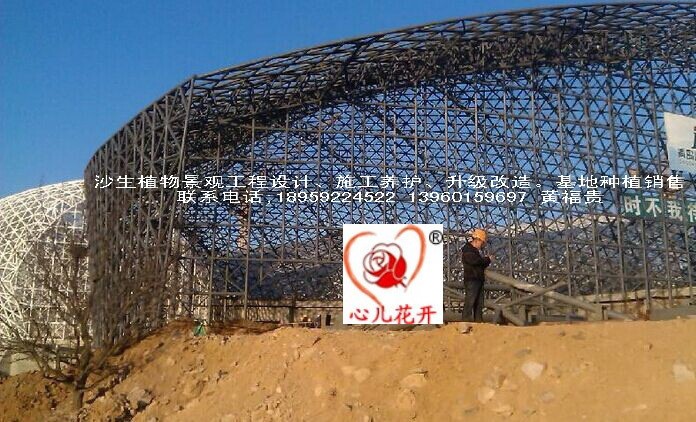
593 371
29 397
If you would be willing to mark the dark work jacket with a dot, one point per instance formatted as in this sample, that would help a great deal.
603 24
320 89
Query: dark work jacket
474 263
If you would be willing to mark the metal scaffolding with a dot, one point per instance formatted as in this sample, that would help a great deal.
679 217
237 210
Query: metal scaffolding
571 91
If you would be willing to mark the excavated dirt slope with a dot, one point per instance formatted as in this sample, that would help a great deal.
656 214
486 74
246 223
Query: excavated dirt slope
594 371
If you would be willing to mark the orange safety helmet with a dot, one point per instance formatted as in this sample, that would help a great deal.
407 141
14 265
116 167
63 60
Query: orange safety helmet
479 234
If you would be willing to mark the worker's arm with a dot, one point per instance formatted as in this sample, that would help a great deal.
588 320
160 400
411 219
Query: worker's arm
475 259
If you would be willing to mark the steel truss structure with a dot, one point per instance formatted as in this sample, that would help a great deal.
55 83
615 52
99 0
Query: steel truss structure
38 221
546 92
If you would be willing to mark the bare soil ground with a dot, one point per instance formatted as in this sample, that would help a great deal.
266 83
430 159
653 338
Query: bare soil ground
592 371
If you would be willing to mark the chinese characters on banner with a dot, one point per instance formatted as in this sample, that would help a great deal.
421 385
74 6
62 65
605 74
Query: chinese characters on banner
637 205
681 142
392 274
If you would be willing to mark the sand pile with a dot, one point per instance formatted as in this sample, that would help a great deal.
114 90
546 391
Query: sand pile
591 371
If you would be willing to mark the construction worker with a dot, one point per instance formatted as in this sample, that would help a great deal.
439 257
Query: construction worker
473 274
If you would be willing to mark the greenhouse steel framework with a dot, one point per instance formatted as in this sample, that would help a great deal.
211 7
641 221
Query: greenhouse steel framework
576 90
45 220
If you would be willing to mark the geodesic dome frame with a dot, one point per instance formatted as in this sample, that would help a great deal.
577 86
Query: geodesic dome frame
47 216
569 90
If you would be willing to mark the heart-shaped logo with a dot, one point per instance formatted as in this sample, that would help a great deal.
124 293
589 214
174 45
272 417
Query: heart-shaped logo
384 264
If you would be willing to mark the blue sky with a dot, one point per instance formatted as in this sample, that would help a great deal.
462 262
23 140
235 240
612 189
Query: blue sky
73 72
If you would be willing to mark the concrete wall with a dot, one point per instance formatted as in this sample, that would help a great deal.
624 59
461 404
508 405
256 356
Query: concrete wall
636 303
13 364
285 311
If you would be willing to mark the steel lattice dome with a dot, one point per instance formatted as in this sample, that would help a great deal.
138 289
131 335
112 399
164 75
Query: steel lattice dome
50 215
571 90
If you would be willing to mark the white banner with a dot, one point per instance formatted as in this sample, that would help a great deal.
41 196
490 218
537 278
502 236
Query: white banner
681 142
392 274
